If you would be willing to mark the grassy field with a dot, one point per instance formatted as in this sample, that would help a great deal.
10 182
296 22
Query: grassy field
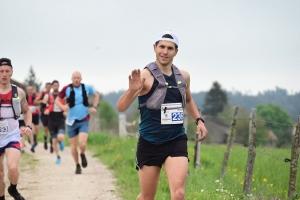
270 178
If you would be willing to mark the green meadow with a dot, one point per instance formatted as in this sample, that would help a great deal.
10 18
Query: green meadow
270 177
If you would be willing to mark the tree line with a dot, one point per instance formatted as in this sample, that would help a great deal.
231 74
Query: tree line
272 106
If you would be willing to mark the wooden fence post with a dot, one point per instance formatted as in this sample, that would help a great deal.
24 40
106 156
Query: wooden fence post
229 144
251 152
197 149
294 161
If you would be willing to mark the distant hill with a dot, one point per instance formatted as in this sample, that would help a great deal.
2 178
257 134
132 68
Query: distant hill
290 103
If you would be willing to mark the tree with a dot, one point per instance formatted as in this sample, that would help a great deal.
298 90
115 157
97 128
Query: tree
108 117
242 126
215 100
32 80
274 117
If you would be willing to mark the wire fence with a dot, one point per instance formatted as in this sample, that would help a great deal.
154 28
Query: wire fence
284 129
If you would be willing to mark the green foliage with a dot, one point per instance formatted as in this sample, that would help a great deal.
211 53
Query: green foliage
242 126
274 113
269 181
133 118
215 100
108 117
32 80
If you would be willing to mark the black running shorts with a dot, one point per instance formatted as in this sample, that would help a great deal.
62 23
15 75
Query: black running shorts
56 127
44 119
155 155
21 123
35 119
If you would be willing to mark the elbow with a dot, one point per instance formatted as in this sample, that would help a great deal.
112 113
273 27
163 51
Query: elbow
120 108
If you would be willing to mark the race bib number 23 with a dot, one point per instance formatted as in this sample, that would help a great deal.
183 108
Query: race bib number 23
172 113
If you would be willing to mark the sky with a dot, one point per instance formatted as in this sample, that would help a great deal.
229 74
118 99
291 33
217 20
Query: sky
248 46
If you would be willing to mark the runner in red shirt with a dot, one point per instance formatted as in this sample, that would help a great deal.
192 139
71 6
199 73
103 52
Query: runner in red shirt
56 121
30 96
42 100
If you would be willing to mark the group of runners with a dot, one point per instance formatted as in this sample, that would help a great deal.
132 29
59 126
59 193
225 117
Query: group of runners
163 92
20 112
42 106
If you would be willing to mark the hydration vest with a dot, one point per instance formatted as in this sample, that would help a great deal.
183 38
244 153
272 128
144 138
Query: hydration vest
43 105
159 94
15 102
71 98
33 97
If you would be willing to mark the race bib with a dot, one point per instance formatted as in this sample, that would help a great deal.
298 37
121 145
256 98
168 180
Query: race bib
172 113
56 108
70 122
32 109
3 127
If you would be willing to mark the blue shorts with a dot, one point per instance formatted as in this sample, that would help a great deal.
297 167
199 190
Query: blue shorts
15 145
78 127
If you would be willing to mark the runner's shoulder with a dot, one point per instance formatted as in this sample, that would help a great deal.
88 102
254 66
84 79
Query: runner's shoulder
21 92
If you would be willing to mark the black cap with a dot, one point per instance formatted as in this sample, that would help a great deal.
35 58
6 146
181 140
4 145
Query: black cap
6 61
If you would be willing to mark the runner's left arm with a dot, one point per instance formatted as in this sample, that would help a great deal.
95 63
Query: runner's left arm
93 109
192 109
25 108
96 99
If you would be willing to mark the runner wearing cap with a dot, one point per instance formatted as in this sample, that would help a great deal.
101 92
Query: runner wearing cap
162 138
13 102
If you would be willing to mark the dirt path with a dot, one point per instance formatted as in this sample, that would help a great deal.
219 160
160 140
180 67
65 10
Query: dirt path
50 181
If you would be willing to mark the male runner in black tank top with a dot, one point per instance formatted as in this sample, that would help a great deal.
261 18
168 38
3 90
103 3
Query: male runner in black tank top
150 154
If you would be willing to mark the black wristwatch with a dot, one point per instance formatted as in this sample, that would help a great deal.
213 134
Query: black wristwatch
199 118
29 127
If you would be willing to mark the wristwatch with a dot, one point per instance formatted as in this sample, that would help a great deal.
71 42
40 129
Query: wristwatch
29 127
199 118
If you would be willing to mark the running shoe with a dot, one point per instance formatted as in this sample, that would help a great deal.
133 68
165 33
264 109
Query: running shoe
78 169
51 149
32 149
61 146
45 145
57 161
16 195
83 161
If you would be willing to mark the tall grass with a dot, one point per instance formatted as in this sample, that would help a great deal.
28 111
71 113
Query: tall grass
270 177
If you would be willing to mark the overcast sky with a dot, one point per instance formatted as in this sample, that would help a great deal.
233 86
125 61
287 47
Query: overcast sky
247 46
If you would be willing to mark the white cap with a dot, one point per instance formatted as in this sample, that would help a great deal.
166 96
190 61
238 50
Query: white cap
175 39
